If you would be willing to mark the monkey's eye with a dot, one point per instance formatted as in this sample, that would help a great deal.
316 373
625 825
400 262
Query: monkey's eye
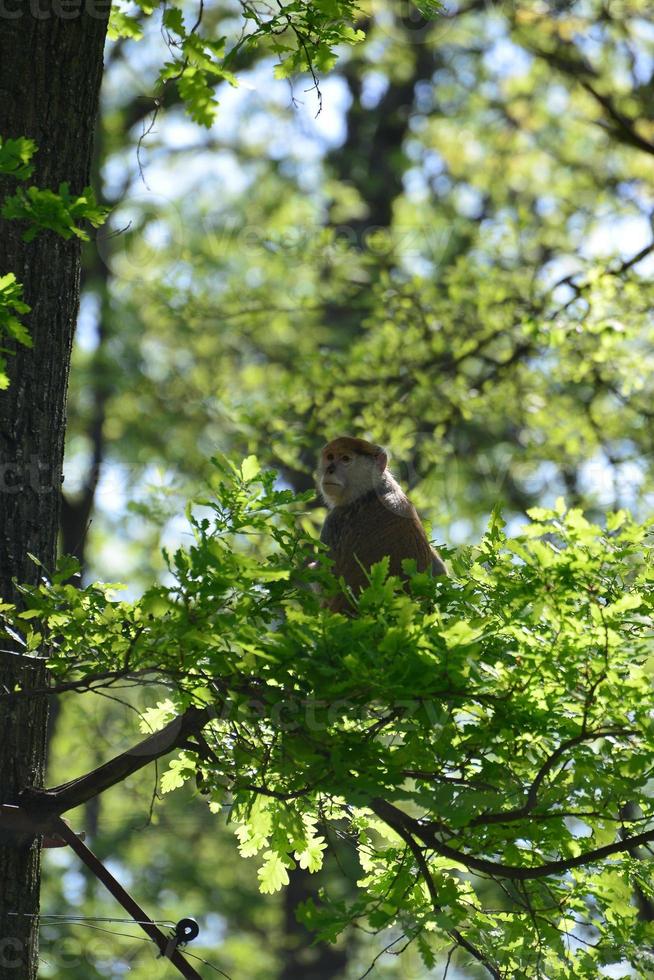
346 458
330 457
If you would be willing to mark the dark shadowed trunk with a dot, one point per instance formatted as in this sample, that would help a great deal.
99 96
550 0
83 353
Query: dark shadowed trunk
50 72
302 959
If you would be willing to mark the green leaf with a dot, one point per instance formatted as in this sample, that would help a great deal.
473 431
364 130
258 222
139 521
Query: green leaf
426 952
179 770
541 514
11 302
16 157
45 210
198 95
311 857
173 19
429 8
379 573
632 600
123 25
250 468
34 641
153 719
272 874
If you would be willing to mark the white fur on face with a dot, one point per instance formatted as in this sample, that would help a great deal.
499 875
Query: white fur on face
342 480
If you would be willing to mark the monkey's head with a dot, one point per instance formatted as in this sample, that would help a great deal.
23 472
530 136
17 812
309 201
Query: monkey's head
349 468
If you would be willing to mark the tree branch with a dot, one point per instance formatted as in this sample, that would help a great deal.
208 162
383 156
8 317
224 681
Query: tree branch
59 799
457 936
518 813
395 817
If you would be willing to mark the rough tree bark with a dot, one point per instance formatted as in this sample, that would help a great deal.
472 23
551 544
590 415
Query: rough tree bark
50 73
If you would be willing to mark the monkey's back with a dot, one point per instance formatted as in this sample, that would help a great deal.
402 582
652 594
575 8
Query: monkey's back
373 527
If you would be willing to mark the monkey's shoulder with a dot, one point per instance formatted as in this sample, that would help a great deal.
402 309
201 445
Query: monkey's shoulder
368 514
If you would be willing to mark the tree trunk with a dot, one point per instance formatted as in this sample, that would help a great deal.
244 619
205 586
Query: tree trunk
302 959
50 73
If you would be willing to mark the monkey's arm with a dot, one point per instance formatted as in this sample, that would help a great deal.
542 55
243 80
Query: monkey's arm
402 536
327 535
437 565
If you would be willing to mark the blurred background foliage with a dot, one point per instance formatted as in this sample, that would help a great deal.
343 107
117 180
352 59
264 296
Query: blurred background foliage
452 257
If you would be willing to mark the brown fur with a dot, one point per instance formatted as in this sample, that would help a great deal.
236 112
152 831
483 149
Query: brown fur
345 443
370 517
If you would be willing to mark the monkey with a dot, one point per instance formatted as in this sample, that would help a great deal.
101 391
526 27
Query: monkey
369 516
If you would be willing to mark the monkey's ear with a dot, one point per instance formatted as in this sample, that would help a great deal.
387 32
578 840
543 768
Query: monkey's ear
381 461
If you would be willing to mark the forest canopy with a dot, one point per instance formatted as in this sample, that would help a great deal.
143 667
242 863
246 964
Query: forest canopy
492 727
430 227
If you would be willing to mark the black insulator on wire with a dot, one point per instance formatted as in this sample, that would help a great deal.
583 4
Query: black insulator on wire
186 930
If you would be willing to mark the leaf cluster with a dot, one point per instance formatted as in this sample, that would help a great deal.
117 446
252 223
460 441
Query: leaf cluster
42 209
15 162
484 742
303 36
11 303
60 212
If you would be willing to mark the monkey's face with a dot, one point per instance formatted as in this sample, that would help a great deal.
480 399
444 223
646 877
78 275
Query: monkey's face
344 475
